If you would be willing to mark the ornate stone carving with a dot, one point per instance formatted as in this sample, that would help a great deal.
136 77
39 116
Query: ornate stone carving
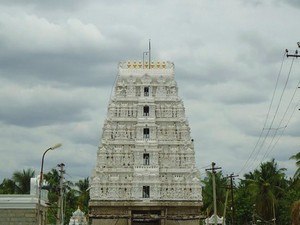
122 171
146 79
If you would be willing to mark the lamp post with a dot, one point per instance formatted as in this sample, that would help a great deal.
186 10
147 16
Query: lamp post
39 219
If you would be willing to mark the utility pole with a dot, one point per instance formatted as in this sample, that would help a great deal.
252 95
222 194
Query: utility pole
213 169
295 55
224 212
232 176
274 216
60 211
253 215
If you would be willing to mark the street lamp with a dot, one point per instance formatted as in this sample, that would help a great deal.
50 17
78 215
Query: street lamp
39 220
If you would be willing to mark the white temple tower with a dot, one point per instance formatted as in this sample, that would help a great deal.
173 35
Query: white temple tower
145 171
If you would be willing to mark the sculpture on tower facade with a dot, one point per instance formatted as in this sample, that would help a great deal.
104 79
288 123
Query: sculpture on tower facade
146 159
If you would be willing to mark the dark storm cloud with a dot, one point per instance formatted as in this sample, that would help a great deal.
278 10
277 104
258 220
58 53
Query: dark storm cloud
84 69
258 49
213 73
257 3
295 3
81 132
72 52
226 92
41 113
67 5
58 62
32 107
57 68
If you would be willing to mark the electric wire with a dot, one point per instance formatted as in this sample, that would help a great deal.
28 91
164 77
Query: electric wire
297 106
280 123
276 111
266 119
277 108
204 167
270 147
202 175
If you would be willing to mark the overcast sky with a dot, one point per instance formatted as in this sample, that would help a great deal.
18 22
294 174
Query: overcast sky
58 63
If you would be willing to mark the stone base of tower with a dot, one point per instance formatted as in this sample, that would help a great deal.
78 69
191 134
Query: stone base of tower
145 212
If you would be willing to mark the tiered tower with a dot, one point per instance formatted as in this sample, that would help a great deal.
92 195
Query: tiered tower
145 171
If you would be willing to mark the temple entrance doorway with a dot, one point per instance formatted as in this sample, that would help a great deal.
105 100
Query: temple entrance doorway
146 223
142 217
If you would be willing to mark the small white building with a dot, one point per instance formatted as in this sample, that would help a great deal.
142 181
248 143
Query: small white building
78 218
22 209
211 220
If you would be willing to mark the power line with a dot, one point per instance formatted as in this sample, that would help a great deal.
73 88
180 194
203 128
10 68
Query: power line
203 167
276 111
266 119
280 123
269 149
281 134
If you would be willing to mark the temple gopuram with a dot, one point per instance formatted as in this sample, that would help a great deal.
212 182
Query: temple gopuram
145 171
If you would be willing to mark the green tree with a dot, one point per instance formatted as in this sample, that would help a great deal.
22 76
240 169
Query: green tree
70 197
22 181
84 196
244 204
207 193
52 178
297 158
266 186
8 186
291 193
